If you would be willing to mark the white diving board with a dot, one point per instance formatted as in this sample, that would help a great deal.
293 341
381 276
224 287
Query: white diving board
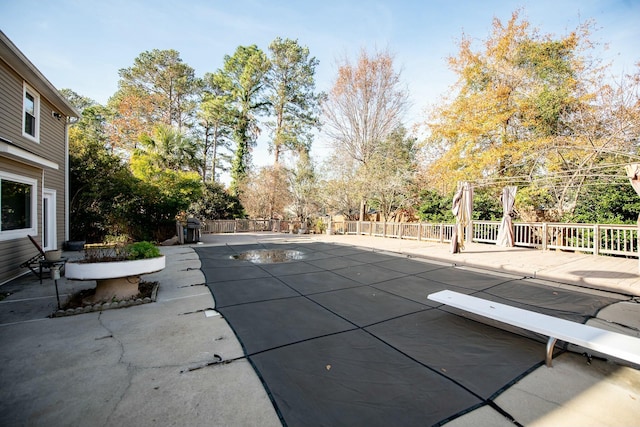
615 344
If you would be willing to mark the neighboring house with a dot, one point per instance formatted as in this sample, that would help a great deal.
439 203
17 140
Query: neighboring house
34 156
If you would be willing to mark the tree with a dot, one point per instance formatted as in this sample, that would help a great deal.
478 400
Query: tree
216 119
97 180
158 88
168 148
341 193
165 161
304 189
216 203
602 138
607 204
482 129
364 107
132 118
389 174
434 207
138 199
533 108
108 199
266 193
292 98
243 77
80 102
165 187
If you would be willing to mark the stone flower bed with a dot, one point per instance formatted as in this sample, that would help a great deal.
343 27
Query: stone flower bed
75 305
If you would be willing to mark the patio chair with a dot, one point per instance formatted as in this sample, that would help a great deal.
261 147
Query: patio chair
33 263
38 262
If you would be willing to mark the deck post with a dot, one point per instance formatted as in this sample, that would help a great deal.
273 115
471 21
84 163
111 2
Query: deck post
469 232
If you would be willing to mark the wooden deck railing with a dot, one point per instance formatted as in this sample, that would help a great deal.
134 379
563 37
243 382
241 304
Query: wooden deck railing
598 239
249 225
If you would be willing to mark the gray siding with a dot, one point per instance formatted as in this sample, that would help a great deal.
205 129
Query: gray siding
52 130
10 104
51 146
52 143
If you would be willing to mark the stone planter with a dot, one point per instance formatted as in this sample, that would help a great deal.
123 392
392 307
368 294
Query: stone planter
53 255
115 280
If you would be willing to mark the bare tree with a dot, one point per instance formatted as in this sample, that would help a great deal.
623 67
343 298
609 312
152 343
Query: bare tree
266 193
365 105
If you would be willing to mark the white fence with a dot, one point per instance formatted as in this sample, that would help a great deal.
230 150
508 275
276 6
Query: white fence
598 239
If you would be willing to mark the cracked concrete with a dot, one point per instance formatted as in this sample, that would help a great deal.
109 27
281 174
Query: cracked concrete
132 365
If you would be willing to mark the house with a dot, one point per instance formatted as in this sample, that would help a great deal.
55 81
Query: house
34 120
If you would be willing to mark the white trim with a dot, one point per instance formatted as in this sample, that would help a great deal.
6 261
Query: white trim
36 111
33 230
66 181
51 228
26 156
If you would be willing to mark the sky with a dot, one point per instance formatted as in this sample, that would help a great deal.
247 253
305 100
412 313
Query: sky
81 44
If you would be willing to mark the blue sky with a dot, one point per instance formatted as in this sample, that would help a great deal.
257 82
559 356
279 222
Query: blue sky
81 44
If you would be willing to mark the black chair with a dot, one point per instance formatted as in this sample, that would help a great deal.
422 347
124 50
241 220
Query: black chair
38 263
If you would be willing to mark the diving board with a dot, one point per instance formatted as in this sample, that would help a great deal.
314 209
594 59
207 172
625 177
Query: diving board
615 344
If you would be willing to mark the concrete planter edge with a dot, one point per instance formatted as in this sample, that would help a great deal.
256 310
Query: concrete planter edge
113 269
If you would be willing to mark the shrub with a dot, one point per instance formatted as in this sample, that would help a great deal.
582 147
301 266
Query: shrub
319 226
142 250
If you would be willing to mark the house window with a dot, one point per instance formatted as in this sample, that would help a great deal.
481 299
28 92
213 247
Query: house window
31 113
17 206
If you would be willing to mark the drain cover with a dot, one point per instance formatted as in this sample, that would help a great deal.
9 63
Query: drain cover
269 256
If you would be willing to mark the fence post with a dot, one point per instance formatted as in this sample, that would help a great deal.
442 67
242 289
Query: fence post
441 232
596 239
545 236
419 231
401 231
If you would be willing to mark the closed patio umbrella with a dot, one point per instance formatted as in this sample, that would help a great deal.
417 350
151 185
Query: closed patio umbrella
505 236
462 208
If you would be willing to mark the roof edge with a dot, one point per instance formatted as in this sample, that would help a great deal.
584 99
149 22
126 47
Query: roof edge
18 61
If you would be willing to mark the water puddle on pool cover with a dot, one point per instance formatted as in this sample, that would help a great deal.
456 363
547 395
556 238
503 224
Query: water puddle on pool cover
269 256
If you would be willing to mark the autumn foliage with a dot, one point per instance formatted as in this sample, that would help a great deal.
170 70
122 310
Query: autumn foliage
532 109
